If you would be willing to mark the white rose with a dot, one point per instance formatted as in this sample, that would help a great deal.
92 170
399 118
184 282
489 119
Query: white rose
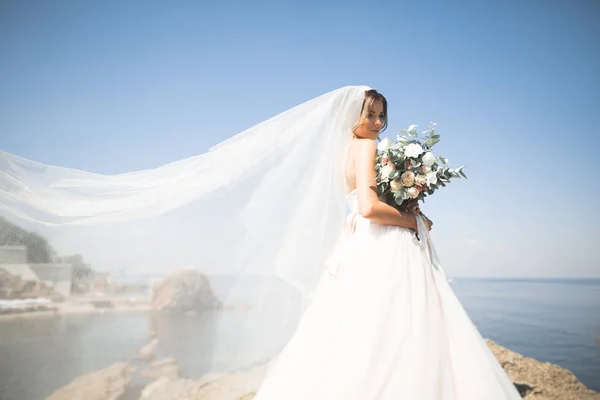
385 145
428 159
413 150
385 171
420 180
425 168
412 192
395 185
431 178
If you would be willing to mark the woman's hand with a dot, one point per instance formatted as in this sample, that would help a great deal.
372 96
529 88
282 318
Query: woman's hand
413 208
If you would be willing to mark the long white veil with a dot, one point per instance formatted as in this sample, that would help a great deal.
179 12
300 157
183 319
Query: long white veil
262 209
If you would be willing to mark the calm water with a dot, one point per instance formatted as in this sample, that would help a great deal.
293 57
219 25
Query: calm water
550 320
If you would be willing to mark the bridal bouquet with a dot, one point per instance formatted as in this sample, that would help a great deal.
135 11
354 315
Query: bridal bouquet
408 171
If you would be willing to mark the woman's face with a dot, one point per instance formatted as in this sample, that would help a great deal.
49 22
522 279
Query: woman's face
371 121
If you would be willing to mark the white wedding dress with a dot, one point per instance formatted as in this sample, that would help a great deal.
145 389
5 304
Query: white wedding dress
384 324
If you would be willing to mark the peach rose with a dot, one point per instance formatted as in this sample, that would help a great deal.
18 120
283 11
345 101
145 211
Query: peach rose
395 185
408 178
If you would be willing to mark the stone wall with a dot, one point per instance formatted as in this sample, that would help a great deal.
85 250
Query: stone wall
61 275
13 255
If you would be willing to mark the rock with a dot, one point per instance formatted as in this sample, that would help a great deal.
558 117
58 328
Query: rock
102 303
533 379
13 287
247 396
106 384
148 351
241 385
184 291
150 391
537 380
167 368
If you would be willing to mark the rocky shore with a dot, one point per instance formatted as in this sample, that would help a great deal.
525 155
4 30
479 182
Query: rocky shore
541 380
184 291
14 287
534 380
189 292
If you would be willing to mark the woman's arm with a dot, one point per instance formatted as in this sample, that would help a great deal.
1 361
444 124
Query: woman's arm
369 205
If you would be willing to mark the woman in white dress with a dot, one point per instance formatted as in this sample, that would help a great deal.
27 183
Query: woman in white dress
265 207
384 323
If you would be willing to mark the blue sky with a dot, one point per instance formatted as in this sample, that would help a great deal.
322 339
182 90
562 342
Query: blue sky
514 87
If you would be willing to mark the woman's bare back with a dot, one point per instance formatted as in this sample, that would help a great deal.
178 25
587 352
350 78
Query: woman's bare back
350 167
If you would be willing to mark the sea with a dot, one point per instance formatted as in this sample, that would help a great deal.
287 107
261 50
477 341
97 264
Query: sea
554 320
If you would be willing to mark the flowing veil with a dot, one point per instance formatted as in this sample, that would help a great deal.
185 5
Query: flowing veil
261 210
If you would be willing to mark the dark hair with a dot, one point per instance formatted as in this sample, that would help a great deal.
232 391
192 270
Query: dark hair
371 96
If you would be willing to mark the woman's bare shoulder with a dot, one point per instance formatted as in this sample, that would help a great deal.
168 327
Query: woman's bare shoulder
359 145
363 147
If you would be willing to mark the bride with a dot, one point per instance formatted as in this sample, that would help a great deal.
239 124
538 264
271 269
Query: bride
384 323
373 320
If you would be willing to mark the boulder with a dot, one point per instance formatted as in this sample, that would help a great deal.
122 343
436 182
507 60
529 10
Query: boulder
167 368
148 351
184 291
240 385
106 384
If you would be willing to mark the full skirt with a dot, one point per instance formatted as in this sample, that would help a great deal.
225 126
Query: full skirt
384 324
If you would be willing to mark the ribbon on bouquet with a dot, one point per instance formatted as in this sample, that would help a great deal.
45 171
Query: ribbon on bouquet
426 243
332 264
